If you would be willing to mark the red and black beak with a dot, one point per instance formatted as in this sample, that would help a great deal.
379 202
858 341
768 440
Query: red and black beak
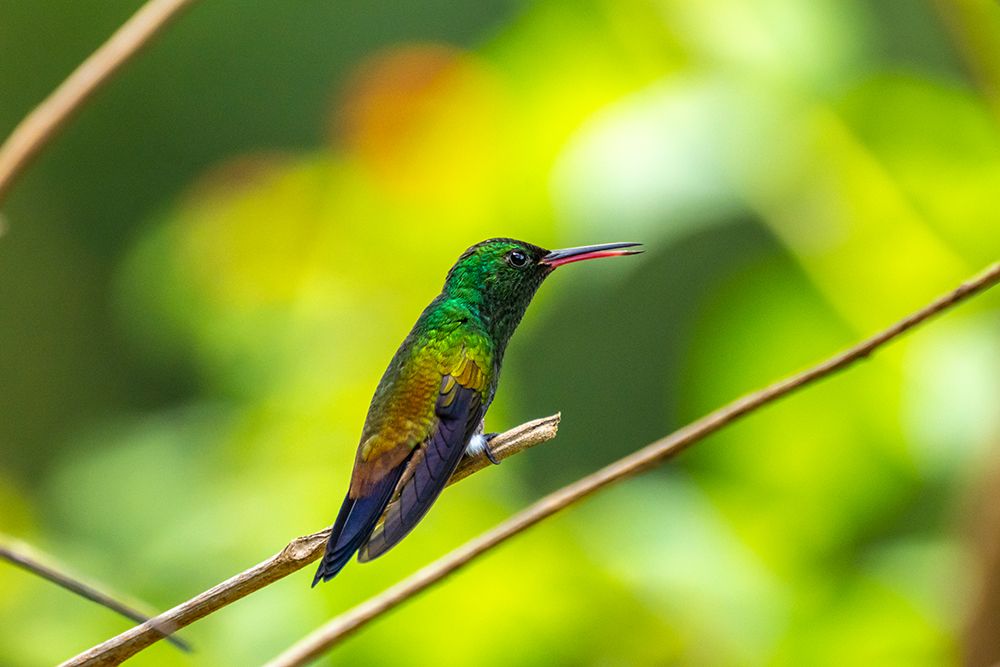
568 255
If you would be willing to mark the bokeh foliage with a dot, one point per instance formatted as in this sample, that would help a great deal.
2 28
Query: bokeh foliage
205 276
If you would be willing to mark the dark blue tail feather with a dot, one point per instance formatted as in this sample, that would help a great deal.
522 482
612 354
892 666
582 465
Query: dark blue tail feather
355 522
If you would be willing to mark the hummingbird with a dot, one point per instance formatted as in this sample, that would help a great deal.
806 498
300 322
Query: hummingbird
428 408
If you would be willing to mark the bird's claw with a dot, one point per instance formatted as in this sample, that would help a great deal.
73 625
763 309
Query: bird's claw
487 438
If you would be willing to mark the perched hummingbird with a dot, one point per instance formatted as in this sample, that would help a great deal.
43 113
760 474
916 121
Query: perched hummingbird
429 405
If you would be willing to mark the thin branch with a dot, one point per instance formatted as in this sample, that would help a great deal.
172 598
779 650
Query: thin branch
296 555
41 125
508 443
340 627
28 558
982 629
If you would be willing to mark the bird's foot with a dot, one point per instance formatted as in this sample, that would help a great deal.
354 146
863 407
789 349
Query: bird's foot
487 438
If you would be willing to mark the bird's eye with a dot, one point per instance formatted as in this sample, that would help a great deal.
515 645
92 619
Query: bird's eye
517 259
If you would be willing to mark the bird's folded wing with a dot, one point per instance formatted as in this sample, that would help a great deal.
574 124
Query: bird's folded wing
459 410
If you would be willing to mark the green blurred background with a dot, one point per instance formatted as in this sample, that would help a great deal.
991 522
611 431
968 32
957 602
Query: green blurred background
203 278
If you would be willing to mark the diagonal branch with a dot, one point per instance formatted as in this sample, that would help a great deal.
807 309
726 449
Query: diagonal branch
27 558
297 554
340 627
46 120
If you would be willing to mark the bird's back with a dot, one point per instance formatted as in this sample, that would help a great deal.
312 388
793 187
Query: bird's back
428 404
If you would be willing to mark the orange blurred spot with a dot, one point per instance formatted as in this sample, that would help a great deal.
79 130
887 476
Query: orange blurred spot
393 93
426 118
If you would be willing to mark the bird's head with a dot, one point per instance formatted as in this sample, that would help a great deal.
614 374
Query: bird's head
500 276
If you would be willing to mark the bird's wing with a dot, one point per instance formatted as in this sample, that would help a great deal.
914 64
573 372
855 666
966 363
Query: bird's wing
425 415
458 411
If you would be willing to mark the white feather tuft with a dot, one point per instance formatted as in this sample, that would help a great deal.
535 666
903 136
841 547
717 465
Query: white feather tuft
476 446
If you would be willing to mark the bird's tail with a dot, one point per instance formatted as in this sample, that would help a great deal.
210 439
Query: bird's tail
355 522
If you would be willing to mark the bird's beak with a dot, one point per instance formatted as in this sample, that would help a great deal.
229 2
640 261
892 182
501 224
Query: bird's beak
567 255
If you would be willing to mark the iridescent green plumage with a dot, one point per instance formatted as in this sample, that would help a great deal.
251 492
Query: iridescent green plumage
432 398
